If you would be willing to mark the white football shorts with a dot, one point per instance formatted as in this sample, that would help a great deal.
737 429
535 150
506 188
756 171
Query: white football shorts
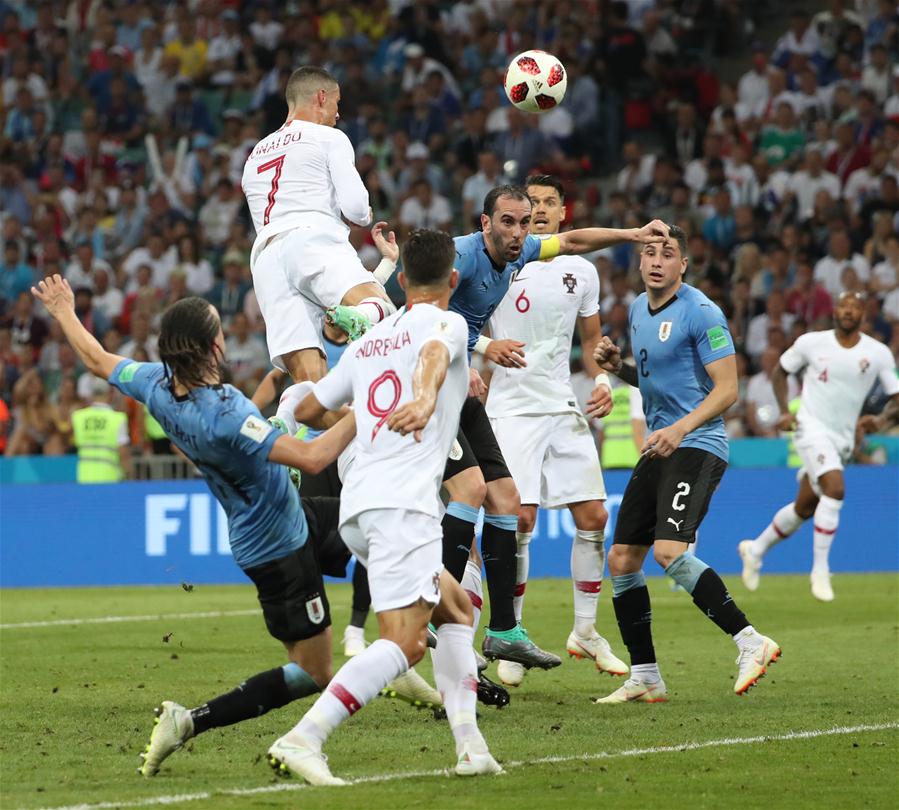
819 454
552 458
403 552
297 276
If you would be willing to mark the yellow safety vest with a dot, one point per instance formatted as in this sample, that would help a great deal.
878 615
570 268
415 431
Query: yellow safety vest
618 449
96 432
793 458
152 429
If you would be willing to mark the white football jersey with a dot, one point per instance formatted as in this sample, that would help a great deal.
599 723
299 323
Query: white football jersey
300 173
541 310
836 381
390 471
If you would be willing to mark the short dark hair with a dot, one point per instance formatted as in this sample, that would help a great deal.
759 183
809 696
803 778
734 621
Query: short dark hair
428 257
678 235
186 336
548 181
306 80
506 190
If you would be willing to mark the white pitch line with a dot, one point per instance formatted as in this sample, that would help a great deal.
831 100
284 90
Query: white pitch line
212 614
395 777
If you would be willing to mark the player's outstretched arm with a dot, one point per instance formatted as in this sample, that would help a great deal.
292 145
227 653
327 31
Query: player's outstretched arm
586 240
724 393
430 372
267 390
56 295
312 457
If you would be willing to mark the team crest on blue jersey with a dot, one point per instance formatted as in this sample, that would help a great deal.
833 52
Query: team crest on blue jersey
664 330
315 610
570 283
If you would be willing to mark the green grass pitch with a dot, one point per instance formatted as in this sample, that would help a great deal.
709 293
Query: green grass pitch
76 705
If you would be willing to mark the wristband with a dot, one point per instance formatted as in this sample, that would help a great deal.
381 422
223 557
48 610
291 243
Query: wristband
481 344
602 379
384 271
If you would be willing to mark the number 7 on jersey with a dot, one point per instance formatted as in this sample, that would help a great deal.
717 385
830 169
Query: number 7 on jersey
277 165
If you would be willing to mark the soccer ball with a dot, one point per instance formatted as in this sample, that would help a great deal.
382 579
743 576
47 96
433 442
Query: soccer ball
535 81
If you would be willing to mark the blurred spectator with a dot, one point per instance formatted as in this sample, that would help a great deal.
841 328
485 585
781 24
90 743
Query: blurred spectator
424 209
475 188
15 275
94 320
762 411
227 295
26 329
829 269
806 183
807 299
219 212
34 420
141 338
247 355
775 315
885 273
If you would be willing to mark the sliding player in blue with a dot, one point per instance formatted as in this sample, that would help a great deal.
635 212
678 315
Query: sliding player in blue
275 538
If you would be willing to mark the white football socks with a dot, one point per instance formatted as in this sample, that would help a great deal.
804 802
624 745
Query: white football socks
471 584
375 309
782 525
355 684
587 562
522 563
646 673
826 520
456 676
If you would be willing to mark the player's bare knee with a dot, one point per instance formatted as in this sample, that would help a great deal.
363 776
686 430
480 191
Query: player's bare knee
527 519
835 490
590 517
664 556
467 487
502 497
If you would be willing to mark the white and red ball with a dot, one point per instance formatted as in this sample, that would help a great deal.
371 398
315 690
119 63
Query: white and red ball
535 81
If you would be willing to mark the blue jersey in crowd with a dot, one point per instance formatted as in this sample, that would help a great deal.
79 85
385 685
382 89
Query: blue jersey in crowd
482 284
672 346
223 433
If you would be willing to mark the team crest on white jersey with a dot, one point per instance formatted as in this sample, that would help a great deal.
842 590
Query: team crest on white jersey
315 610
570 282
864 364
664 330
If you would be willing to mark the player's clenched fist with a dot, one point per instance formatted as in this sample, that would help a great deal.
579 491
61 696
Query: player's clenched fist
607 355
507 353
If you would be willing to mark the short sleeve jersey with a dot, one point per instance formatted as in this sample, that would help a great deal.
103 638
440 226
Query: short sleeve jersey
300 169
223 433
836 381
672 346
390 471
541 310
482 284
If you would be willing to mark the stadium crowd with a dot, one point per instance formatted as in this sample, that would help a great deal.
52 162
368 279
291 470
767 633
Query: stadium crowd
126 125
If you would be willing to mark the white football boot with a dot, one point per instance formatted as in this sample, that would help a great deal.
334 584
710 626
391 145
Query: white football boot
757 653
634 691
822 590
297 755
598 650
172 727
752 565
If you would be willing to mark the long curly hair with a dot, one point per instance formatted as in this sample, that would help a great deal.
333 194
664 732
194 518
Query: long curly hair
187 342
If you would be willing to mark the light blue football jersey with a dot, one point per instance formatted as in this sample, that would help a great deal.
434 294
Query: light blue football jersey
223 433
672 346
